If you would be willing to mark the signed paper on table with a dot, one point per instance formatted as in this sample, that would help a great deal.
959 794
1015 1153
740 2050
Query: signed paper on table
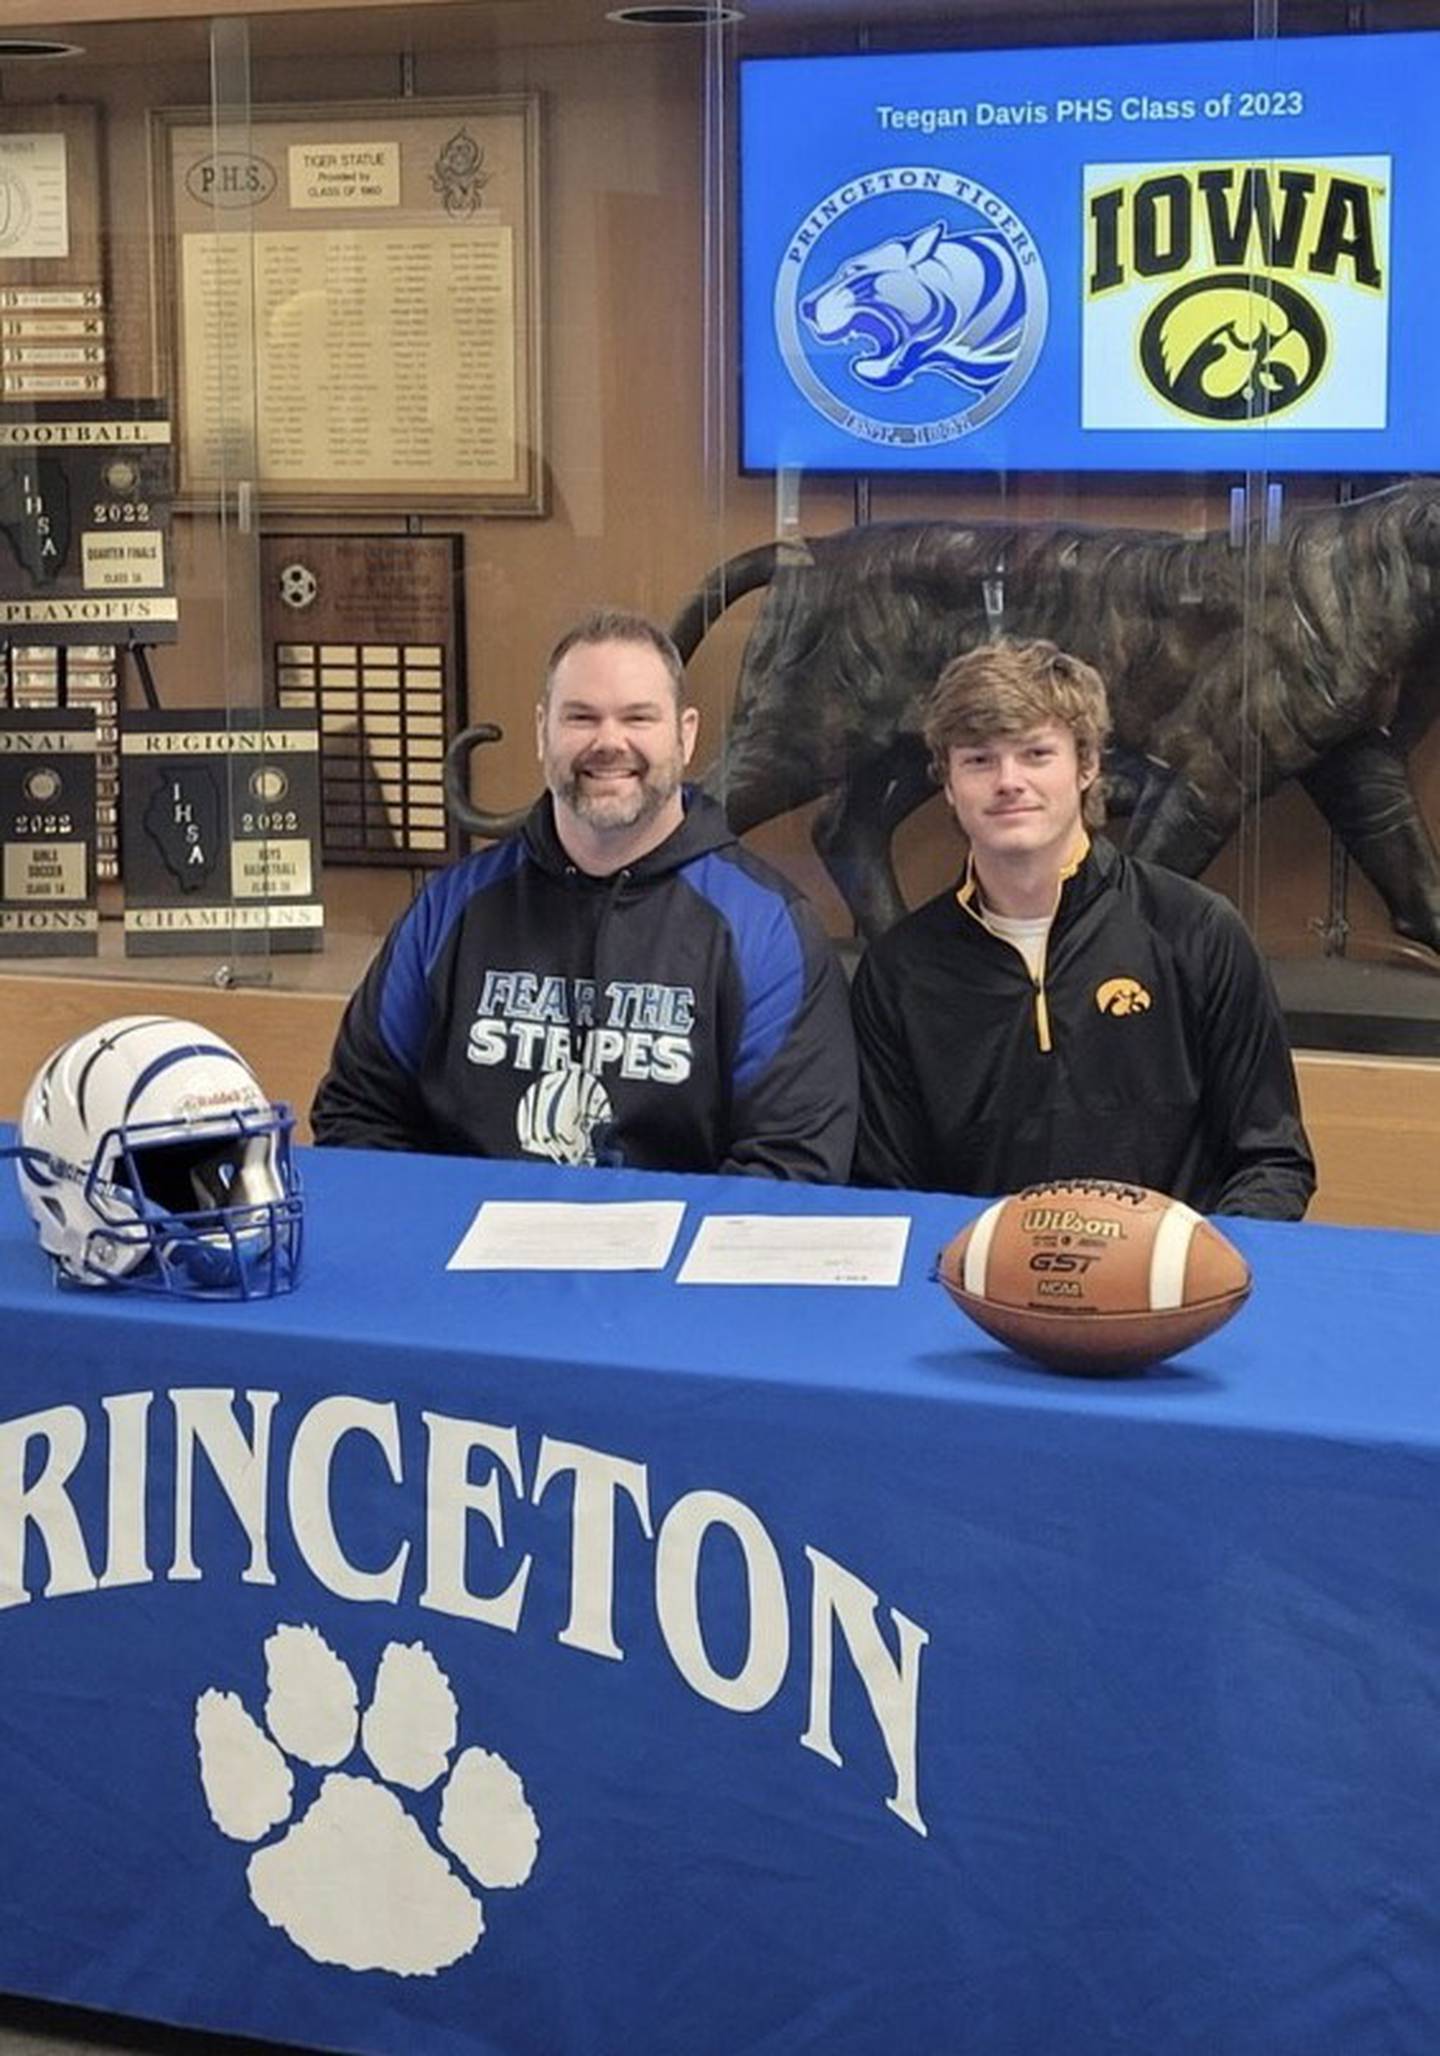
797 1249
536 1235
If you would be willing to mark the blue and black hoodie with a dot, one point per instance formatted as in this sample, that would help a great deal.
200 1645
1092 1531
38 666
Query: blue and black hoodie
684 1014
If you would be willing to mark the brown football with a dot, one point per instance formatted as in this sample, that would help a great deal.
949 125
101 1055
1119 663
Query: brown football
1094 1276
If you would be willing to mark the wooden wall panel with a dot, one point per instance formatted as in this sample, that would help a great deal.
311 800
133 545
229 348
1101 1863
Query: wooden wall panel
19 16
1375 1124
1375 1127
285 1038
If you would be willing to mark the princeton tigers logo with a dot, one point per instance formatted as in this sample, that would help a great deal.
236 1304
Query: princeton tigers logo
901 286
931 302
1122 996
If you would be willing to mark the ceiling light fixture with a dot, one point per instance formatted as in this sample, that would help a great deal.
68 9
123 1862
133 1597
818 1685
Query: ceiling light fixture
30 48
695 16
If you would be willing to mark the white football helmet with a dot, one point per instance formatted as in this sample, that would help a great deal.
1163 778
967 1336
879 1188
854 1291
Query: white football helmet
149 1156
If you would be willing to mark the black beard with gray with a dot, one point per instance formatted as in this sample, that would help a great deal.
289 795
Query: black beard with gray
650 793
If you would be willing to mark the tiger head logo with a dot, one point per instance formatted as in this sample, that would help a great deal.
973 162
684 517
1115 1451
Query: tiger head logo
910 305
952 304
1122 996
565 1115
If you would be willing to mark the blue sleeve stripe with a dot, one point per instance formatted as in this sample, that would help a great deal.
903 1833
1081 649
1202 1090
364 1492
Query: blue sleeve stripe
421 936
770 954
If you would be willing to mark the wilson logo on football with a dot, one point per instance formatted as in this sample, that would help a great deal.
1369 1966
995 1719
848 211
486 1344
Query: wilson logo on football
1122 996
1052 1220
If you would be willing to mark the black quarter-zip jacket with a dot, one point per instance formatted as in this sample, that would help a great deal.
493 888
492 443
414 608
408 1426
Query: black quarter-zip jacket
684 1014
1150 1049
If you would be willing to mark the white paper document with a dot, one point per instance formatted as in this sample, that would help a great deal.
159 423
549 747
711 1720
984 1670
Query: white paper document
536 1235
797 1249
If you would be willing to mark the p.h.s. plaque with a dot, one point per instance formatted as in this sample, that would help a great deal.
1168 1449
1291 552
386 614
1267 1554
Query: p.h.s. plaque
221 832
47 833
366 635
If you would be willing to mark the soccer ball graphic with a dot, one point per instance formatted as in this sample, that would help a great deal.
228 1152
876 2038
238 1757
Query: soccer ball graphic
298 586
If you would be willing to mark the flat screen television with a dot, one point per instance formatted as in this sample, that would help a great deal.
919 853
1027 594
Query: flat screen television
1169 256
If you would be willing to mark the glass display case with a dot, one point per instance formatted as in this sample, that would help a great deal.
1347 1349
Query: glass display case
838 336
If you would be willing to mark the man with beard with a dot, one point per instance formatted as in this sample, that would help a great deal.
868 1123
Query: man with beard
617 983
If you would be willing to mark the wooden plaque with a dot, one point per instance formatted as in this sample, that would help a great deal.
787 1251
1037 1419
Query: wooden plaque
54 331
366 635
47 833
85 492
221 845
352 293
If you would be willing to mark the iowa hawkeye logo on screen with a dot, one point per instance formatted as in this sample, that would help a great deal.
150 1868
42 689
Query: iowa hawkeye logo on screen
1237 295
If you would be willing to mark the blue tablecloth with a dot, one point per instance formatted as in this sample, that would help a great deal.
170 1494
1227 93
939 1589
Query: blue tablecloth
870 1690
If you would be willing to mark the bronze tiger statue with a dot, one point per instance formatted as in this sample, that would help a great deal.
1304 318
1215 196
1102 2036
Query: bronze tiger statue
1332 682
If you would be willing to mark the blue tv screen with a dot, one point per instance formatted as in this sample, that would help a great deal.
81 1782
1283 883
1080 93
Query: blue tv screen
1171 256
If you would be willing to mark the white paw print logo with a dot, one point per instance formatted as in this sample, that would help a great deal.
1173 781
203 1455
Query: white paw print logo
357 1880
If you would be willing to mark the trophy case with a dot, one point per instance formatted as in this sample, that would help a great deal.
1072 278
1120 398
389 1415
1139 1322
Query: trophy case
462 319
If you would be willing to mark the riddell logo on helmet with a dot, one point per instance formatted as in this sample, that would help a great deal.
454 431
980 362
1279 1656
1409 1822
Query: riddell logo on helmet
225 1100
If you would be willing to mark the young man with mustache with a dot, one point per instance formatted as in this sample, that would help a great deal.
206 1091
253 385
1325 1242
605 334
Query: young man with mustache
618 983
1066 1011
